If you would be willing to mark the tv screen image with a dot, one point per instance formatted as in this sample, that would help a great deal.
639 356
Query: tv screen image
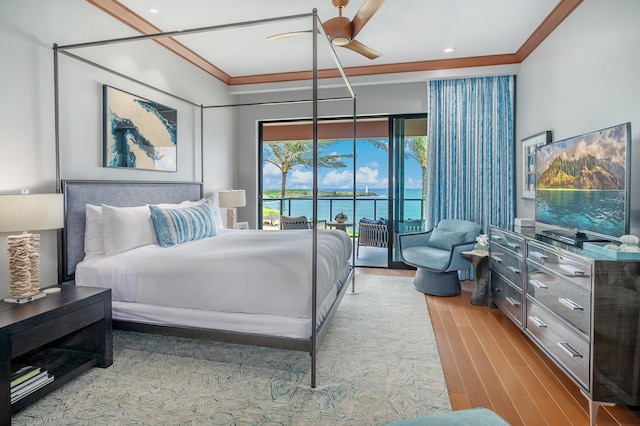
582 183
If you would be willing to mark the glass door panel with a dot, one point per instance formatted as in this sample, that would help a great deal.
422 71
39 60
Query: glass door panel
408 186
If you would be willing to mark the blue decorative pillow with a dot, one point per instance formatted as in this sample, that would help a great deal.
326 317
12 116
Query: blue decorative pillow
368 221
178 225
445 239
380 221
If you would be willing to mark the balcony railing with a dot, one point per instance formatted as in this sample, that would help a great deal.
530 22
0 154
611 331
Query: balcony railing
329 207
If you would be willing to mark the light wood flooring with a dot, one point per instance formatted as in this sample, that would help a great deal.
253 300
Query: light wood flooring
488 362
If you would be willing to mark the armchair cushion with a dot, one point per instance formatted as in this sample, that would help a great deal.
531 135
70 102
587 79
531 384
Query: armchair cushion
445 239
436 258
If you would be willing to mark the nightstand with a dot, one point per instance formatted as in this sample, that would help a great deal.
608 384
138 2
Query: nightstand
66 333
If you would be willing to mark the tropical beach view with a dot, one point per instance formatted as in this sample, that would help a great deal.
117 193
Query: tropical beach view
288 180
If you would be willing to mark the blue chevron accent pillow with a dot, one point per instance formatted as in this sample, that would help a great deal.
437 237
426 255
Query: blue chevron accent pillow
175 226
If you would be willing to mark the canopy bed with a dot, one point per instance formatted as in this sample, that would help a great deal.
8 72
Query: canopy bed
230 307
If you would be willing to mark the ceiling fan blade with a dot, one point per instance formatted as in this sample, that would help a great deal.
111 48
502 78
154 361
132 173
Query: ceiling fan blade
287 35
364 14
360 48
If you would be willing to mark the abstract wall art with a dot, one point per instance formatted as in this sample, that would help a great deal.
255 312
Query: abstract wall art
138 133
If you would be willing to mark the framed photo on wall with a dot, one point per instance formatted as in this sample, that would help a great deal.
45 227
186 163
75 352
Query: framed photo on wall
529 146
138 133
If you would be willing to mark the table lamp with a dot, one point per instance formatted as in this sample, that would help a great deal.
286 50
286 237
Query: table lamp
27 212
230 199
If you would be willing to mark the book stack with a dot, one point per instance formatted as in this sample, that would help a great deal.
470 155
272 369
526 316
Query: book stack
524 225
27 380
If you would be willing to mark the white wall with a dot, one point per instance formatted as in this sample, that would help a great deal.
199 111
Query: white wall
28 30
584 77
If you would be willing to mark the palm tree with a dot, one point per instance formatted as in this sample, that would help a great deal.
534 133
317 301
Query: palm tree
287 155
416 148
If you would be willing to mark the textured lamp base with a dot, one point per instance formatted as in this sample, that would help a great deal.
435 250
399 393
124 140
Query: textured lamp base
24 266
232 217
437 283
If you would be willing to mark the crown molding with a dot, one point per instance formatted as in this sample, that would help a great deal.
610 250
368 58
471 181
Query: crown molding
563 9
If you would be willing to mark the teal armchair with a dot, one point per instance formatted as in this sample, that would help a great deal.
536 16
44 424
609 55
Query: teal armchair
436 255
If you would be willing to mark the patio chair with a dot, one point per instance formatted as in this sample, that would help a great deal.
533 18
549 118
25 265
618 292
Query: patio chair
372 233
299 222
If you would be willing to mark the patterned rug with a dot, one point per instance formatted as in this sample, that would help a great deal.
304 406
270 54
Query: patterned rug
377 364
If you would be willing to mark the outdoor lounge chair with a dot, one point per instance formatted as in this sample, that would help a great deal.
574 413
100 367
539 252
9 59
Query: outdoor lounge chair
299 222
372 233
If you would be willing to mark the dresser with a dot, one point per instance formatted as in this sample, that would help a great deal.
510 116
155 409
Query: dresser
582 311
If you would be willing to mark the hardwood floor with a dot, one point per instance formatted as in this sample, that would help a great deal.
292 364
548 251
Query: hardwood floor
488 362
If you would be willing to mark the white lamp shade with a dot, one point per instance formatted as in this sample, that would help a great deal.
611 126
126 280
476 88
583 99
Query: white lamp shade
232 198
31 212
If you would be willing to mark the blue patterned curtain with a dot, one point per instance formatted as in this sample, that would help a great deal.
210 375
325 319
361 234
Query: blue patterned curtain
471 151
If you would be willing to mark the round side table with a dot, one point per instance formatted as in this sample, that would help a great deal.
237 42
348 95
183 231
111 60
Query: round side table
480 262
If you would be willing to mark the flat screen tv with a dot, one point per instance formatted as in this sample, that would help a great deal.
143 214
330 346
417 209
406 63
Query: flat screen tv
583 184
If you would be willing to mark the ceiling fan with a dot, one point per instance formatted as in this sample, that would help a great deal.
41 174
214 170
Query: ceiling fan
342 31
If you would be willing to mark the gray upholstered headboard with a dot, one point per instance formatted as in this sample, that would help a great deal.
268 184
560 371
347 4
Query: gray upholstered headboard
77 194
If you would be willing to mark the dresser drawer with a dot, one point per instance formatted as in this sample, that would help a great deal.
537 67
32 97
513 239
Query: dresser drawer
575 269
507 240
565 346
507 297
507 265
569 302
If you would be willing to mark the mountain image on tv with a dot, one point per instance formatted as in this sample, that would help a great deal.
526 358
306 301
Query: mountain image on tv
582 182
586 172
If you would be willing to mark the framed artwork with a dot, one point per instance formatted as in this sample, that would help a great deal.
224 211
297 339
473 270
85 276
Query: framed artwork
138 133
529 146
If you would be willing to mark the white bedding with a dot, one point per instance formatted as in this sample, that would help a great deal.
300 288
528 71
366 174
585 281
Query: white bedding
245 274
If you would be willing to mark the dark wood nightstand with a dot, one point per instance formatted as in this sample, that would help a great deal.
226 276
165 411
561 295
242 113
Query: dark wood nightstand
66 333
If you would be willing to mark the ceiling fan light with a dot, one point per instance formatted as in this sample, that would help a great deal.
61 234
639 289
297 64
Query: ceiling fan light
340 41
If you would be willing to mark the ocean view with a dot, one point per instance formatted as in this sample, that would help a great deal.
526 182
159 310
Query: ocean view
366 206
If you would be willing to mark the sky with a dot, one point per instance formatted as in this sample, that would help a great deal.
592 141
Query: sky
372 171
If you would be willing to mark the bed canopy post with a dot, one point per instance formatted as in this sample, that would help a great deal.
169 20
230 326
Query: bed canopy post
56 127
314 272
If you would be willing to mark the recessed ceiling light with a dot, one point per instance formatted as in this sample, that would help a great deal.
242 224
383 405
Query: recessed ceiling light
153 10
449 50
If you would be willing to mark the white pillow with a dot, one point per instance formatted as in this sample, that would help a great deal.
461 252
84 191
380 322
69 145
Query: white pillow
126 228
217 217
93 234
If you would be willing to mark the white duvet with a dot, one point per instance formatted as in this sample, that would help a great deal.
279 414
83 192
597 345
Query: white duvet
238 272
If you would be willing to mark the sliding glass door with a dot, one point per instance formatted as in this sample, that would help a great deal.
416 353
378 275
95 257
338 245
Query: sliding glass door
408 161
387 173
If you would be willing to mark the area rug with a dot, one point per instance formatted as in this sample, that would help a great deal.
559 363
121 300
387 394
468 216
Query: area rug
377 364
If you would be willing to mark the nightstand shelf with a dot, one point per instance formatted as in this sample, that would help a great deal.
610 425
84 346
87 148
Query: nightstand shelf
65 333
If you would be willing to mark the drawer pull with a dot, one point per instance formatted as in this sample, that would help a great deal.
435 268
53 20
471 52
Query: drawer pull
513 269
496 237
571 269
514 246
541 257
512 301
497 259
570 304
569 350
537 284
538 322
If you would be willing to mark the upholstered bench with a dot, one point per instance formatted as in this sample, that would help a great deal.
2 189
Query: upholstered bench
473 416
